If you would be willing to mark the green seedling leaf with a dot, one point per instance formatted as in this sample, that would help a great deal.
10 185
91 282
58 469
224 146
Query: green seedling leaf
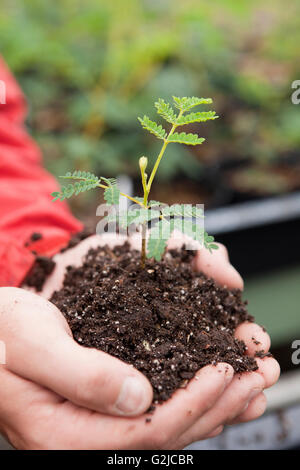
112 195
185 103
182 210
165 219
188 139
153 127
196 117
156 247
166 111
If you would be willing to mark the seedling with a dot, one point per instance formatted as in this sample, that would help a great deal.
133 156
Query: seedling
164 219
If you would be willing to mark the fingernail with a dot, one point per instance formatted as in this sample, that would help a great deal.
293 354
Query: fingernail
132 397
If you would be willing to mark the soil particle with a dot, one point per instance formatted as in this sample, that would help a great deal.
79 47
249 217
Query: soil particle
166 320
255 341
261 354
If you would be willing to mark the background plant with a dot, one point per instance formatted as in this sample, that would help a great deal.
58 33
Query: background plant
166 219
88 66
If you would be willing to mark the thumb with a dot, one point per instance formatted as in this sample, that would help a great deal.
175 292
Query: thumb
39 347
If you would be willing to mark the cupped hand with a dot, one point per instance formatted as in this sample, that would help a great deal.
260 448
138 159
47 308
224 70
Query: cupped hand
57 394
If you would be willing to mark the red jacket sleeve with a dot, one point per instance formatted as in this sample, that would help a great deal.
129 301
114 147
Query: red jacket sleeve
25 193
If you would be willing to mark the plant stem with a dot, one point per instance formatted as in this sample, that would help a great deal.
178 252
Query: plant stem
161 153
132 199
143 251
147 187
144 225
123 194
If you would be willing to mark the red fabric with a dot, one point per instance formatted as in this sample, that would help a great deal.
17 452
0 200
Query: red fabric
25 193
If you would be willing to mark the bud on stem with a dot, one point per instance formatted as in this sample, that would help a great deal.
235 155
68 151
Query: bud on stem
143 162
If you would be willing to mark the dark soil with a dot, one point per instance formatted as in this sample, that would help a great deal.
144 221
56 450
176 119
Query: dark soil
166 320
44 265
42 268
77 238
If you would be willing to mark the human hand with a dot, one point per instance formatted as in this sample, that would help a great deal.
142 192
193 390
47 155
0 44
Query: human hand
217 266
38 379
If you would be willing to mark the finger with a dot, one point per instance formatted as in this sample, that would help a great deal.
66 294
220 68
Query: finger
217 266
269 368
39 349
232 403
19 399
215 433
175 417
78 428
214 264
254 410
255 338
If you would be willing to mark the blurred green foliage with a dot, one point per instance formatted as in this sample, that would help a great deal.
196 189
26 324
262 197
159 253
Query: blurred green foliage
90 67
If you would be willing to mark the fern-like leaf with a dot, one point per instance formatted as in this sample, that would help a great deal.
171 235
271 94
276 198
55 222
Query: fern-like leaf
196 117
157 241
150 203
136 216
188 139
65 193
158 238
185 103
75 188
156 248
87 181
166 111
154 203
153 127
208 242
109 181
112 193
182 210
194 231
189 228
140 216
81 175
